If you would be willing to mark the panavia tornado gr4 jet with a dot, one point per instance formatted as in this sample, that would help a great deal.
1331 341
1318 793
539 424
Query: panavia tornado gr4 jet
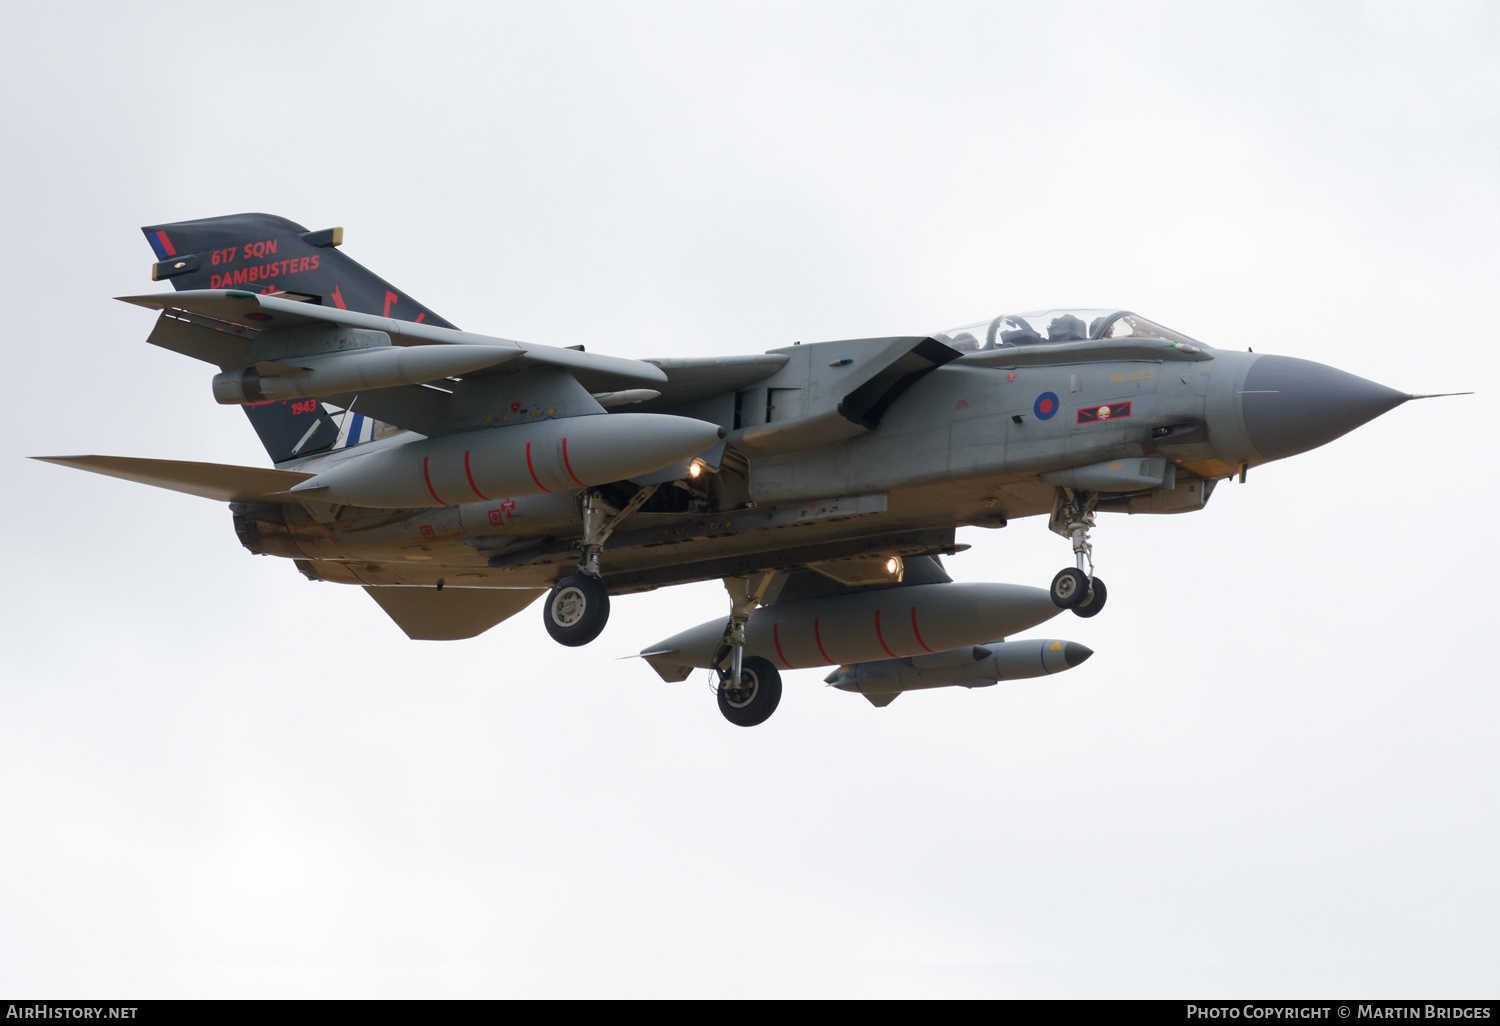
458 477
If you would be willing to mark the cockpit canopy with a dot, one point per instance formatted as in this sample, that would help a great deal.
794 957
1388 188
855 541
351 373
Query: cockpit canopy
1047 326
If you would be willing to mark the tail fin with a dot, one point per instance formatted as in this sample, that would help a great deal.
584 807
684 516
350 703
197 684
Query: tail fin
265 253
300 427
293 428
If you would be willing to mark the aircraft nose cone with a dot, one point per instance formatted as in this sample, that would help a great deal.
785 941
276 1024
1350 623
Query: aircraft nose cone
1074 653
1292 405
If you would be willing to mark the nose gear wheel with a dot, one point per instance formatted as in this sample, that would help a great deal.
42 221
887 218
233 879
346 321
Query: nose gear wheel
1076 587
1094 601
1069 588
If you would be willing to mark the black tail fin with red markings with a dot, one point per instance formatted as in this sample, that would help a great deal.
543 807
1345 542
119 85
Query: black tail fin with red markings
293 428
265 253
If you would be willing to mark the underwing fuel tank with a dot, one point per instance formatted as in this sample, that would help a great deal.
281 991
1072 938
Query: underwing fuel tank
505 462
978 666
886 623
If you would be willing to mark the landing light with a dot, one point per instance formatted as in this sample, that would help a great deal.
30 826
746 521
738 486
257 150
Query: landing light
893 565
695 470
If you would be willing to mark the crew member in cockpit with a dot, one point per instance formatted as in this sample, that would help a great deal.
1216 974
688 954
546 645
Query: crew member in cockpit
1067 328
1014 332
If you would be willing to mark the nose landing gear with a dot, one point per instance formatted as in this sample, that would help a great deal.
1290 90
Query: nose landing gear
1076 587
1094 601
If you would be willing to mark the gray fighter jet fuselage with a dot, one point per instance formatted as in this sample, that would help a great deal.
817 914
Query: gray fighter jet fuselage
458 477
1143 424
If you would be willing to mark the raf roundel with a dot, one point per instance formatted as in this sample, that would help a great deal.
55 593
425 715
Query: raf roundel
1046 405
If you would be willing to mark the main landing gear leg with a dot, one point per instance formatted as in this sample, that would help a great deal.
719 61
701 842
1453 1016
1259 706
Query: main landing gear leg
577 607
1076 587
749 689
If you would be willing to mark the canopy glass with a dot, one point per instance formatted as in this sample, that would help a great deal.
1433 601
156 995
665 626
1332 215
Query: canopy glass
1047 326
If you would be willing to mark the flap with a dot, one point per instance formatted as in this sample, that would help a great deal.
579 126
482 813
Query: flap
427 614
203 338
219 481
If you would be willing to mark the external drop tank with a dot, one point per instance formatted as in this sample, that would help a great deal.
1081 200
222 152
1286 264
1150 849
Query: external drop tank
862 626
526 459
979 666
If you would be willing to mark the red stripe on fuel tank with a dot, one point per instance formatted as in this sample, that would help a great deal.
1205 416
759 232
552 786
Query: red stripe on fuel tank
917 632
574 476
486 498
776 637
880 637
532 471
428 478
819 639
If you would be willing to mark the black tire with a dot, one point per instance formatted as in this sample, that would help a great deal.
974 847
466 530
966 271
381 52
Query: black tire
576 610
1091 605
757 699
1069 588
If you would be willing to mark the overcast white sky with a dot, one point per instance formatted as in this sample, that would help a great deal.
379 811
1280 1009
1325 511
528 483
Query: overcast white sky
1277 777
